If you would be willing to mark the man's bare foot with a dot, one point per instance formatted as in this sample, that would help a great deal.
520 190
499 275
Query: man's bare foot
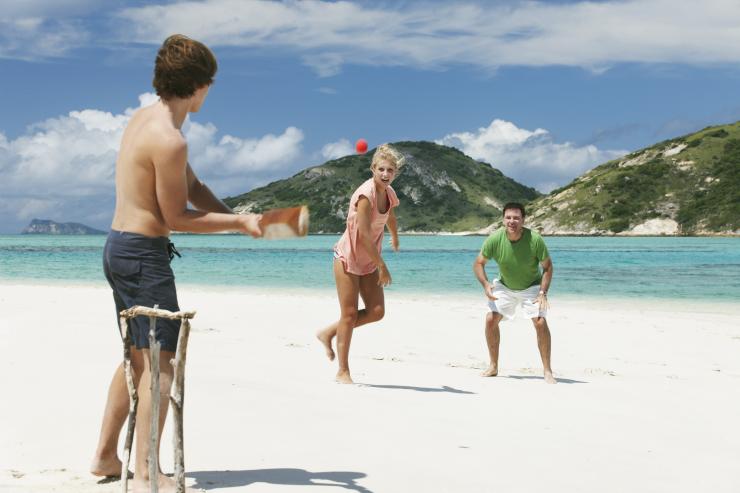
325 336
492 371
343 377
106 466
166 485
549 378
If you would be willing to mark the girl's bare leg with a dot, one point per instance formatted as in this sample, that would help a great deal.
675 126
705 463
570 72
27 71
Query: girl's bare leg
374 299
372 296
348 290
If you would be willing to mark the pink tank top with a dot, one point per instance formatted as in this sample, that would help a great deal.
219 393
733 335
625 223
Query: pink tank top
348 248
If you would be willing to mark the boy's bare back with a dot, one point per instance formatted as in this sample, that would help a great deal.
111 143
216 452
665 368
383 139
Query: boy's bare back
149 134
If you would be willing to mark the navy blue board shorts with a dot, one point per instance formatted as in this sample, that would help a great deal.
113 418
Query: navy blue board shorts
138 270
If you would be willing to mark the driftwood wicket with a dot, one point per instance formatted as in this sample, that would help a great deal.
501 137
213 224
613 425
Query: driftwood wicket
177 394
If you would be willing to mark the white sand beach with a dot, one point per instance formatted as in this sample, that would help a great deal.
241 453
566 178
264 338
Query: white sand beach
647 401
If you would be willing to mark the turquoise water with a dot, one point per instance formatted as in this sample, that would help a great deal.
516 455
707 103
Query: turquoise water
683 268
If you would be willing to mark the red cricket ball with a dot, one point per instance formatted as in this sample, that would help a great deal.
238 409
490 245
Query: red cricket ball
361 146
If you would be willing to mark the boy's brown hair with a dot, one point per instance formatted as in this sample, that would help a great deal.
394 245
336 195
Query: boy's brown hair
182 66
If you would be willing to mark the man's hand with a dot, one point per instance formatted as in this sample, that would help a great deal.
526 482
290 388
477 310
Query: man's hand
542 301
250 224
394 243
489 291
384 276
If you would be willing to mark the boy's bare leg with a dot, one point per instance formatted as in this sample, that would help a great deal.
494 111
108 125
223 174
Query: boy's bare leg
493 340
106 461
544 343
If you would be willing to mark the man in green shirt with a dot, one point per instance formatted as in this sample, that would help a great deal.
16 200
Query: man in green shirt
519 253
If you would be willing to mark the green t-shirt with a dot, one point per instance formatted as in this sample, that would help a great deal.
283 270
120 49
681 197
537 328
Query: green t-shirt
519 261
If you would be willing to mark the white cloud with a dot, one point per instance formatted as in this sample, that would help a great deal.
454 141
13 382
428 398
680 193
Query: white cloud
335 150
31 208
529 157
327 34
64 167
32 29
325 64
37 37
45 8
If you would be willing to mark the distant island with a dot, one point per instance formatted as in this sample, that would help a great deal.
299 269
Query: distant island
48 227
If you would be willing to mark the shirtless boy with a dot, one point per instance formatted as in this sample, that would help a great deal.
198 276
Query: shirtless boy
154 183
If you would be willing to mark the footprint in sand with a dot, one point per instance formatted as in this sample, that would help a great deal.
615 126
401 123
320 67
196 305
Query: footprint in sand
207 329
599 371
393 359
471 366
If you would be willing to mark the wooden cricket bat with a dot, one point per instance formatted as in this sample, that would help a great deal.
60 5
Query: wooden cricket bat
288 222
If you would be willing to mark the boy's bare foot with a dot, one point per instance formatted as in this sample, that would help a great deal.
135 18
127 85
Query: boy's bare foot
549 378
492 371
343 377
325 336
165 485
106 466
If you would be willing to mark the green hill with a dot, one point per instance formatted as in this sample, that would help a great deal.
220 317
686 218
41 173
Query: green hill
440 188
683 186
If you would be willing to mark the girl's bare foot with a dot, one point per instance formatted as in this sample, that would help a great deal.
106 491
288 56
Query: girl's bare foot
492 371
325 336
343 377
549 378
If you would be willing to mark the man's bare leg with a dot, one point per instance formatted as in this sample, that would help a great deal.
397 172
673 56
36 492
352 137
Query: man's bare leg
106 461
544 343
493 339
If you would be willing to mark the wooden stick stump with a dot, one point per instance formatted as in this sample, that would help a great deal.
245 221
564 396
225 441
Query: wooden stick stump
133 401
177 394
154 348
177 399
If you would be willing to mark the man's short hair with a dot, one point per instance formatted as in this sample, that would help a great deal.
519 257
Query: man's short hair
514 205
183 65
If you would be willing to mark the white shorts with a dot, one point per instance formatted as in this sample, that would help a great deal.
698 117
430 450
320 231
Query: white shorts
507 301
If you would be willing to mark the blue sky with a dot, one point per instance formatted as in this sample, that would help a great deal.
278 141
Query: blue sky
541 90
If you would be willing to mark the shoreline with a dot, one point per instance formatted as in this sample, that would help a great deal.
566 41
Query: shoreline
683 305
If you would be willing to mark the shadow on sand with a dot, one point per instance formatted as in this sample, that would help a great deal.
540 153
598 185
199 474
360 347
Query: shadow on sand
209 480
533 377
113 479
443 388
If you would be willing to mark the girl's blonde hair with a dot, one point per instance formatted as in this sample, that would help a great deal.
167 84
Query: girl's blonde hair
385 152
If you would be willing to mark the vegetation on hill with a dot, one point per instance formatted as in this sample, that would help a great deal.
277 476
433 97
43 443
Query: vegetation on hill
687 185
440 189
